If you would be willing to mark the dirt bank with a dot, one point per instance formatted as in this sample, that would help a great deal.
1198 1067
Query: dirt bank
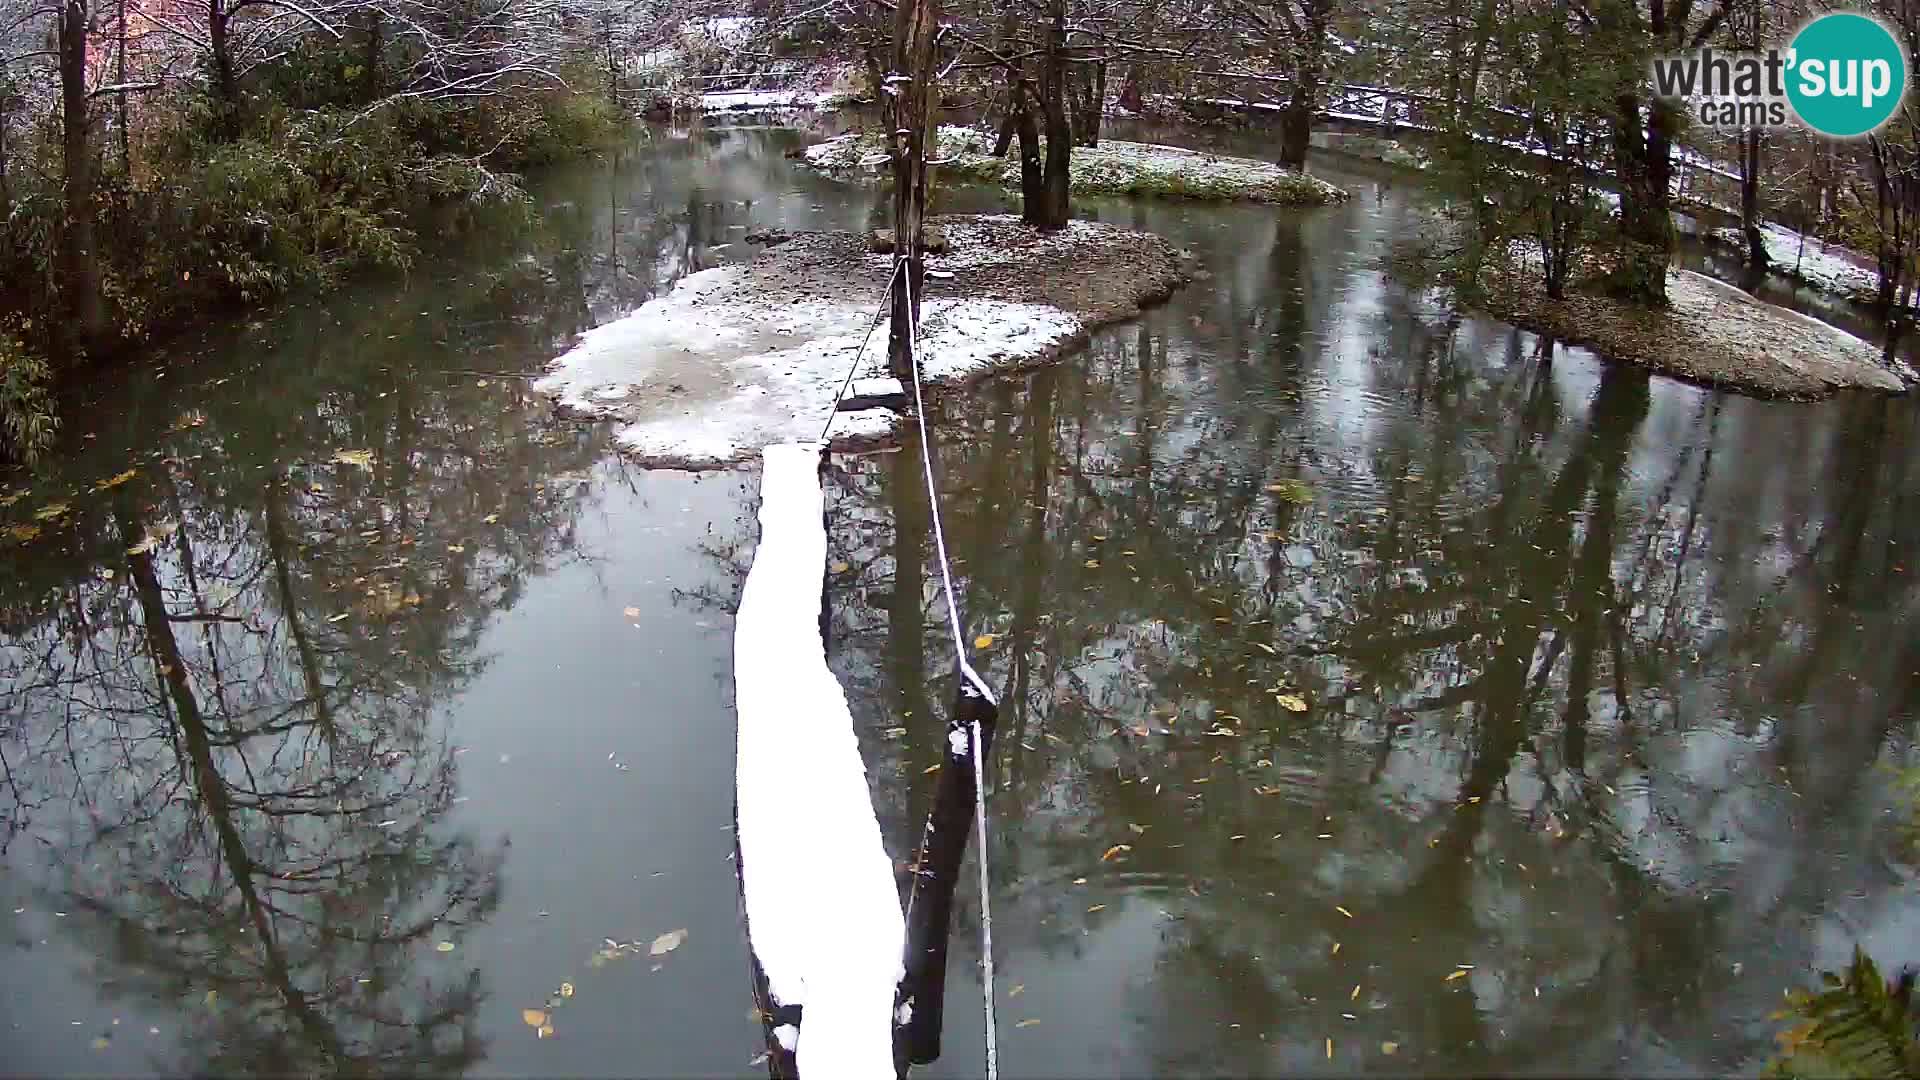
741 356
1714 334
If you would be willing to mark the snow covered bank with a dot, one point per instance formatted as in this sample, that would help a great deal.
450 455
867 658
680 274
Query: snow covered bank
823 913
743 356
773 101
1830 268
1713 334
1112 168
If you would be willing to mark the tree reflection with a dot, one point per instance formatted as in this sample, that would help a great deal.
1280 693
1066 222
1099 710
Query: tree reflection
1547 646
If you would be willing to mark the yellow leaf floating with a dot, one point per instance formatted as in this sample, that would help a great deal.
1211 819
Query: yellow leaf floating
445 946
358 458
841 567
116 481
1115 850
631 613
667 942
101 1042
1026 1023
50 511
566 989
534 1017
1389 1048
1291 702
544 1031
984 641
1455 975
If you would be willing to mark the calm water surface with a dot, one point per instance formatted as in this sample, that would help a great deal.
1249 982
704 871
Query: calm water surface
1461 705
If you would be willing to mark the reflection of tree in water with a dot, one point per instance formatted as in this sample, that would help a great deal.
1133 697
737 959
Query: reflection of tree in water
1538 614
226 755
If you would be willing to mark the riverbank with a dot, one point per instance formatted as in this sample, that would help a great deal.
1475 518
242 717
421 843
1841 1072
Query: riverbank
741 356
1111 168
1713 334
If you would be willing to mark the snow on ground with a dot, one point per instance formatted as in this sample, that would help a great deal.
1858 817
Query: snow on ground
823 913
1112 168
702 379
1827 267
742 356
744 100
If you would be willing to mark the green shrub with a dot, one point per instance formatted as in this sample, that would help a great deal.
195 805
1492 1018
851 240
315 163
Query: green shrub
27 420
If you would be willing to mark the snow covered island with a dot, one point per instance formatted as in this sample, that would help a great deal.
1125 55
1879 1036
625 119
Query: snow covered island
740 357
1112 168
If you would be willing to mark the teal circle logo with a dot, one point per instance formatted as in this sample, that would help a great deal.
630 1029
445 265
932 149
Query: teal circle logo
1847 74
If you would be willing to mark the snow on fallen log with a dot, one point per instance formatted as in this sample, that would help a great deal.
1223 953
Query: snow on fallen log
823 913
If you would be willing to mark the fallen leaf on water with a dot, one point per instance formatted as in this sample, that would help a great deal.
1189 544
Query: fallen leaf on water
1329 1049
360 458
1355 996
566 990
544 1031
9 500
1455 975
1026 1023
667 942
1018 989
1137 829
1264 645
1343 911
116 481
841 567
759 1059
50 511
22 533
445 946
101 1042
1115 850
456 549
491 519
631 613
931 769
984 641
534 1017
1093 564
1096 907
1291 702
1389 1048
212 996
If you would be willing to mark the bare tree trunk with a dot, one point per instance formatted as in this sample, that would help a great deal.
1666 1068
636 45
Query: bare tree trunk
910 119
226 85
1033 195
1296 123
80 266
1643 162
1099 102
372 84
120 77
1009 126
1750 199
1056 206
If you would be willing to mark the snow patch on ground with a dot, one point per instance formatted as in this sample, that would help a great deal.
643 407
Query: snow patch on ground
1827 267
706 380
1111 168
823 913
764 100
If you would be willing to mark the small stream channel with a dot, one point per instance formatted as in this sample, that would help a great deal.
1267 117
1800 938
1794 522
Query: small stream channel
1386 689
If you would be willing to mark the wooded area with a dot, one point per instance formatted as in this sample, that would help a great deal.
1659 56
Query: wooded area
159 158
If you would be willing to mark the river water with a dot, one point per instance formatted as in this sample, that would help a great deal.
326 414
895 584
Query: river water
1385 689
